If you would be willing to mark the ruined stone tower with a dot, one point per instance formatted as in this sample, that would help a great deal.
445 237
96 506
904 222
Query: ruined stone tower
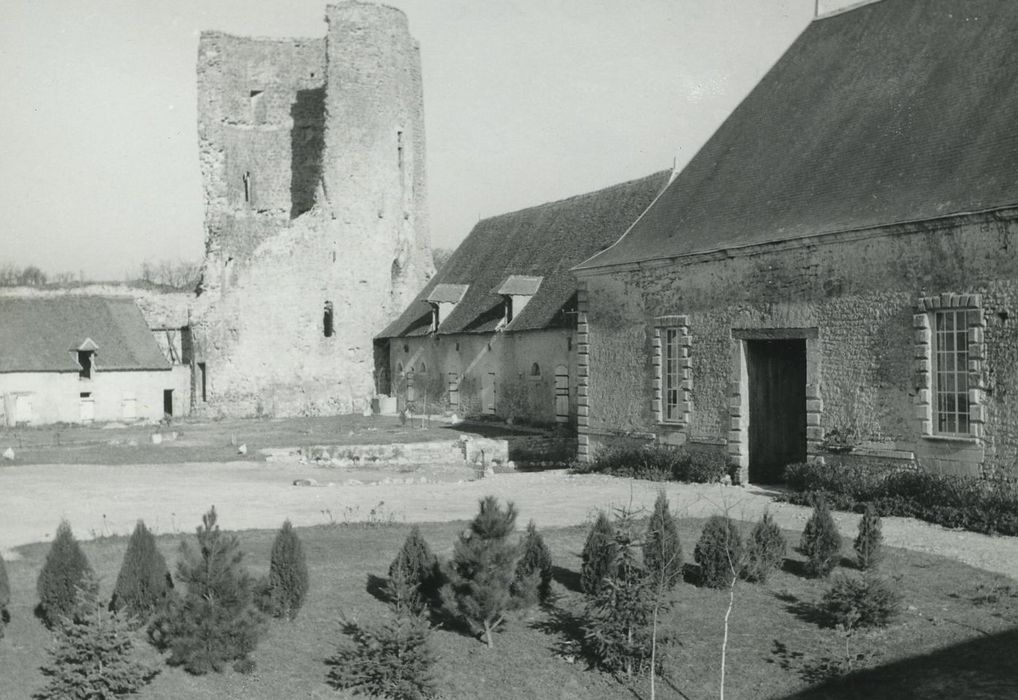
312 157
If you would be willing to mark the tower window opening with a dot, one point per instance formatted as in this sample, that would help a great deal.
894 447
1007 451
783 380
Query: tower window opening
247 186
399 149
327 329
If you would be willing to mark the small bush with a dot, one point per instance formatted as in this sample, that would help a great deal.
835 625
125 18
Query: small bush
765 549
5 597
93 654
144 582
658 463
535 560
976 504
389 660
719 552
599 554
869 548
287 585
66 569
861 601
820 541
662 551
419 565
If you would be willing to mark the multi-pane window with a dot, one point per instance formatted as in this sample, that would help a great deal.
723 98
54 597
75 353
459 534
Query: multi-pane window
951 363
670 375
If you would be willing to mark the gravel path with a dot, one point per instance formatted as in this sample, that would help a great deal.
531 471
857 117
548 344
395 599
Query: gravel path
103 500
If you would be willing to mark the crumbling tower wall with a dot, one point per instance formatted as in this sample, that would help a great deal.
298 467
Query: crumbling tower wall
312 155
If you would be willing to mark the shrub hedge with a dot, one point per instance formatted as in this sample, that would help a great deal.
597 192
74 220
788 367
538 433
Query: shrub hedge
976 504
658 463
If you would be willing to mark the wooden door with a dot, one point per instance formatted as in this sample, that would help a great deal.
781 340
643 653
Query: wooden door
777 407
561 394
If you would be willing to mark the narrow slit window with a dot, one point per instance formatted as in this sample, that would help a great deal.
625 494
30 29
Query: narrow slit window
327 327
247 187
670 375
399 149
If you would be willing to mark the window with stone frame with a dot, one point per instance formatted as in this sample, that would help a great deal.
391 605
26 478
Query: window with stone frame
950 371
949 356
670 375
672 364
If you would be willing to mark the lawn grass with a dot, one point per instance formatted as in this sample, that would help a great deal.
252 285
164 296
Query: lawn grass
776 646
203 440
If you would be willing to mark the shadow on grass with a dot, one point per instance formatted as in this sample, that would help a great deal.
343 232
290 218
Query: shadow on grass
567 578
378 587
984 667
804 610
567 629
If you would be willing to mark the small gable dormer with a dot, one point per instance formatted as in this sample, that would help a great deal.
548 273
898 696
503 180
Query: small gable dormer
516 292
86 358
443 299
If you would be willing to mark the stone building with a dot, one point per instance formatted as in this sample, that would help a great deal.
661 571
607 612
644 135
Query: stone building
74 359
834 275
494 332
312 157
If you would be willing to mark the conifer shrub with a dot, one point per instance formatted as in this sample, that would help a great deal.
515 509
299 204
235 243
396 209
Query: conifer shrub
618 614
214 622
869 542
93 653
821 542
65 570
861 601
391 659
599 552
533 571
719 552
5 597
144 583
765 549
419 566
482 570
662 551
287 584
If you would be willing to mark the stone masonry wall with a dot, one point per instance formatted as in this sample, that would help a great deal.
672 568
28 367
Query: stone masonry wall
857 299
313 159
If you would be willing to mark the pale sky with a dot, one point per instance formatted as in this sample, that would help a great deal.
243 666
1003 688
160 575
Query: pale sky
526 101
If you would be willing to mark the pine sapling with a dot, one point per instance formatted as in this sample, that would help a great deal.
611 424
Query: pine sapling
820 541
419 565
93 653
765 549
215 621
65 570
533 572
869 548
288 574
719 552
599 553
619 614
662 551
482 569
144 583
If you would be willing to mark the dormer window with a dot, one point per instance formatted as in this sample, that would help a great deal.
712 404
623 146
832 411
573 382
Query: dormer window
85 361
516 292
86 358
443 299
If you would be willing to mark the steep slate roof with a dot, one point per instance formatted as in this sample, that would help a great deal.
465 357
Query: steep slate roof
901 110
543 241
42 334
